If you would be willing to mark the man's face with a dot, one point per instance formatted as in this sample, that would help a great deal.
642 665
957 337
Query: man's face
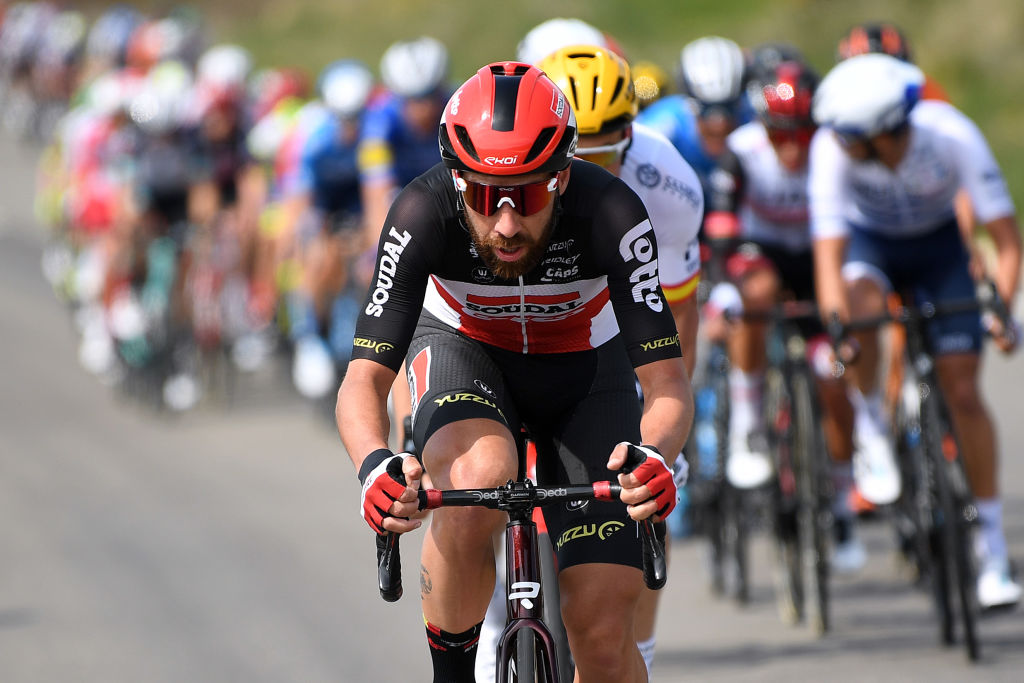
888 148
714 128
508 242
604 149
791 145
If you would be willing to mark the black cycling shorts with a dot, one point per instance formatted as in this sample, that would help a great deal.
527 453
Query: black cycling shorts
576 407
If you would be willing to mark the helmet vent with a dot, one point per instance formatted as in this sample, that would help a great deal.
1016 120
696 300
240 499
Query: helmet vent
506 92
618 89
575 96
463 135
543 138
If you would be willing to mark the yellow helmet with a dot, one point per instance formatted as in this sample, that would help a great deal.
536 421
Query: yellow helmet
650 81
597 83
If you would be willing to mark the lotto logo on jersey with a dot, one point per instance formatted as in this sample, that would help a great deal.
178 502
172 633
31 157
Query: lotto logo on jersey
636 245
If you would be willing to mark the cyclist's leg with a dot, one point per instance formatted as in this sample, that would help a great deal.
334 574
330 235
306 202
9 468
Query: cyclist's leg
465 436
870 274
597 545
758 283
957 343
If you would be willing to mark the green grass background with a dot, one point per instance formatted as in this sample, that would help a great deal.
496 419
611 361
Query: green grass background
974 49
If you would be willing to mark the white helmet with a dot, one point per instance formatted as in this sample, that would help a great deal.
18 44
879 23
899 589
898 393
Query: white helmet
345 87
867 95
414 68
224 67
712 70
554 34
160 105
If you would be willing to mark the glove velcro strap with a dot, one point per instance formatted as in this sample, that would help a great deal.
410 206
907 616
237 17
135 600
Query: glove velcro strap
371 462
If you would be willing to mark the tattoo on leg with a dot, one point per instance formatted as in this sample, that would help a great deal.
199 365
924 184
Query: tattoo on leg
426 583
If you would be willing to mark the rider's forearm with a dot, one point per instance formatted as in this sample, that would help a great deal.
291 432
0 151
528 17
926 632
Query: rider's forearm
687 317
1005 235
668 406
361 411
828 278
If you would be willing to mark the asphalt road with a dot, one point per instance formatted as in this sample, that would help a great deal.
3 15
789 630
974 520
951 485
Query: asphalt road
225 545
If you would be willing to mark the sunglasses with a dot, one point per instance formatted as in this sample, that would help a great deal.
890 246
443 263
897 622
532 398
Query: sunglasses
525 200
604 155
801 136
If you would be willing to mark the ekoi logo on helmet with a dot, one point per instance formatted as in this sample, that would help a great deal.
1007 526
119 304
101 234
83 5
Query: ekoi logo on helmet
502 161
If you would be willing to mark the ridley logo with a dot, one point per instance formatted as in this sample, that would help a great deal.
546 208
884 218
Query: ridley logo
455 101
501 161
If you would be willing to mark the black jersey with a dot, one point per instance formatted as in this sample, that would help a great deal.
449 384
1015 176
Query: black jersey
598 275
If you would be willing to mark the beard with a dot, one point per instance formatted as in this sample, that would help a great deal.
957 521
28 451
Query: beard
512 270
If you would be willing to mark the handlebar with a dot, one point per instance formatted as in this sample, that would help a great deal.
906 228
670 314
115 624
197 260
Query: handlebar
987 299
522 497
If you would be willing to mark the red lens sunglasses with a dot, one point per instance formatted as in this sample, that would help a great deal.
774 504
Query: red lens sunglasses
525 200
801 136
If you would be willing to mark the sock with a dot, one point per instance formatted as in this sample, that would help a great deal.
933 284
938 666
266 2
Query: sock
990 530
868 412
453 654
745 390
647 650
842 482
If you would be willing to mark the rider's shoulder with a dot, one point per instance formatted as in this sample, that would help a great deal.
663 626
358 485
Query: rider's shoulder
747 138
944 119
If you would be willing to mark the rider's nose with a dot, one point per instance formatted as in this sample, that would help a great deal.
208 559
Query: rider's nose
509 223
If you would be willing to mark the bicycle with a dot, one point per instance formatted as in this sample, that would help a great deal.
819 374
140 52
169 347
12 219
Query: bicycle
720 511
936 500
802 495
526 649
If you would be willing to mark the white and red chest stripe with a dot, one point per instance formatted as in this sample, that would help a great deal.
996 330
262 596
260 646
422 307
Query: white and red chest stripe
528 318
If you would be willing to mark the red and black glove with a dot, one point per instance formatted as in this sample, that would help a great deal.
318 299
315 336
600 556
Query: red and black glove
382 480
652 471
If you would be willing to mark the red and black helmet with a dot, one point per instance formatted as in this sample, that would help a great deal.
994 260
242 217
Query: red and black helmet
788 96
874 37
508 119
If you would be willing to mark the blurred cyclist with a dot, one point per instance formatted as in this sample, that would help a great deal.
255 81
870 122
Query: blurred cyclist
711 104
884 175
766 163
398 139
325 204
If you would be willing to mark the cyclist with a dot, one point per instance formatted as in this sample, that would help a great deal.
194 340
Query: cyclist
882 186
766 163
885 38
326 212
397 142
669 188
554 34
710 106
501 341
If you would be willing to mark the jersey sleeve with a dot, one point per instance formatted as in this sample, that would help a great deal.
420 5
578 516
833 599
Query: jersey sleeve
410 246
825 187
979 172
630 258
375 156
676 210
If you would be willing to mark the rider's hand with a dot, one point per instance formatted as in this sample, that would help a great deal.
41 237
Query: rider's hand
649 489
1007 339
385 499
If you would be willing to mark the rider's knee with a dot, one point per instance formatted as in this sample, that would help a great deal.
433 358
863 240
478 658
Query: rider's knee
760 289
